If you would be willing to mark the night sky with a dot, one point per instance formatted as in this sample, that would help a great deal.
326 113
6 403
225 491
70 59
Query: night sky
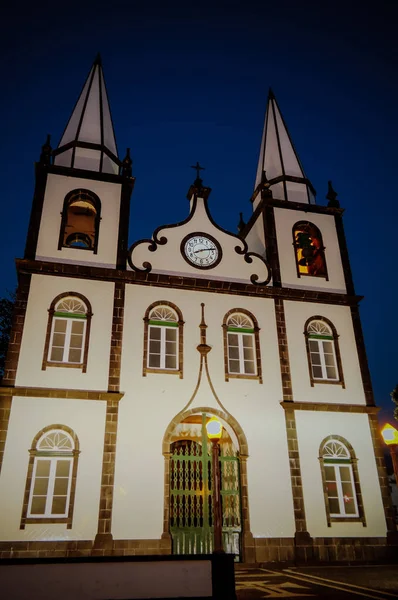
188 81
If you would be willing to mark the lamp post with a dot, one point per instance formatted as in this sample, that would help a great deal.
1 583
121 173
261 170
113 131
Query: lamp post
214 433
390 436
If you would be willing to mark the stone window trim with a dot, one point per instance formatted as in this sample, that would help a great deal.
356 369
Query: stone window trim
96 202
180 369
322 249
256 331
339 364
33 452
83 365
357 486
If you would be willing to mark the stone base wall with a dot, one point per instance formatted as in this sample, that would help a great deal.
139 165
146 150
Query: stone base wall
321 550
266 550
274 550
352 549
84 548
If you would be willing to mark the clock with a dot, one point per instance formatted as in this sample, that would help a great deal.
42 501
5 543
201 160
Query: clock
201 250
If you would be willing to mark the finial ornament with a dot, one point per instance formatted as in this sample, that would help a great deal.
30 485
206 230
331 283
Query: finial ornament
241 224
203 347
46 151
127 165
332 196
198 181
98 60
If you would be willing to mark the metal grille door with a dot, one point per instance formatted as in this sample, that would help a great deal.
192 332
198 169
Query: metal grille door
191 514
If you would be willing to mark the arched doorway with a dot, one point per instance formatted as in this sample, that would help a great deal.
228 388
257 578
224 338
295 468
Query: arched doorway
190 489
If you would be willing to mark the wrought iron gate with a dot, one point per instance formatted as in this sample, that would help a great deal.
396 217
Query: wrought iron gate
191 518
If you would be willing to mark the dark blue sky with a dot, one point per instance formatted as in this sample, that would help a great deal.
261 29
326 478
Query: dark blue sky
188 82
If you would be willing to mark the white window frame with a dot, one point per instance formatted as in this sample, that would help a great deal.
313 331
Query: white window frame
50 489
69 321
339 484
321 352
241 353
163 329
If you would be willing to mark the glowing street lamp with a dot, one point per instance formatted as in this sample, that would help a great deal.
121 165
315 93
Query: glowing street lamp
390 436
214 433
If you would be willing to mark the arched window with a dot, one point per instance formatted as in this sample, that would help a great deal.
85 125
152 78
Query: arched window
323 351
309 250
342 491
68 332
242 345
163 342
80 221
51 479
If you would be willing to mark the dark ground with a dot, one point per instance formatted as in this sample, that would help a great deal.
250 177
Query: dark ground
370 581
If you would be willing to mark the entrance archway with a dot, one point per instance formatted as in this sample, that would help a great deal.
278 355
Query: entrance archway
188 491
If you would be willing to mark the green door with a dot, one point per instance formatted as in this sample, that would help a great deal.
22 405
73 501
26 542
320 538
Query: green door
191 514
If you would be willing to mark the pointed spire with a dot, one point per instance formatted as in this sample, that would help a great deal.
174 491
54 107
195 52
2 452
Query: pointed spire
279 159
88 141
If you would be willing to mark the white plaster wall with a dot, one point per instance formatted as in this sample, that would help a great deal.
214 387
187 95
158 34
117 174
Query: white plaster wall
284 220
312 428
151 403
168 258
58 186
255 238
43 289
28 417
296 314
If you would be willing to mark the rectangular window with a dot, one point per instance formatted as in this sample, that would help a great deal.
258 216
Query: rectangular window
241 353
323 359
163 347
51 487
340 490
67 340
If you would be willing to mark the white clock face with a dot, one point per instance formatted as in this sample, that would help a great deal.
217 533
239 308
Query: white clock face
201 251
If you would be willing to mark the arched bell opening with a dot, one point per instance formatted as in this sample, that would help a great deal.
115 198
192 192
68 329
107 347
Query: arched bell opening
188 485
80 221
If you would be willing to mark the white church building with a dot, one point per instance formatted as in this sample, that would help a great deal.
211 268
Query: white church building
120 354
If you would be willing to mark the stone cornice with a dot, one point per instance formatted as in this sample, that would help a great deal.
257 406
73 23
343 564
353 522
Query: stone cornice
328 407
182 282
44 392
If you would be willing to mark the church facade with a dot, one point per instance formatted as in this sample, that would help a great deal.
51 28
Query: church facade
120 355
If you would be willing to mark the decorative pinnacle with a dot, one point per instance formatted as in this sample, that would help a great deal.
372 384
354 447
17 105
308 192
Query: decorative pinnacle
271 95
198 181
127 164
98 60
332 196
241 224
46 151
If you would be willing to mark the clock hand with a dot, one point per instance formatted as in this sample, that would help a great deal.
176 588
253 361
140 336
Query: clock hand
202 250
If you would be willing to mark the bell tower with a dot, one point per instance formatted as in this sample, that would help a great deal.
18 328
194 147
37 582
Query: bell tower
304 242
81 206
